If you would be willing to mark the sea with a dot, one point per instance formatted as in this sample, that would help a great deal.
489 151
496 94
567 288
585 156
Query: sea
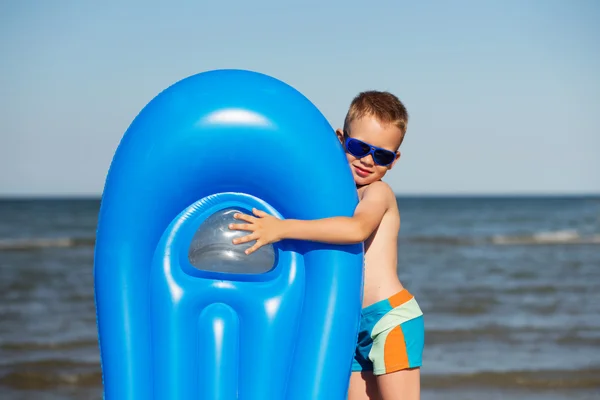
509 286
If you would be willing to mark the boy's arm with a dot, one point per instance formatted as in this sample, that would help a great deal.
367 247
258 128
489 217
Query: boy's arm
367 216
343 230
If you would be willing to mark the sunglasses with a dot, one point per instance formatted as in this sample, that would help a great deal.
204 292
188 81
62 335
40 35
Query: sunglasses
360 149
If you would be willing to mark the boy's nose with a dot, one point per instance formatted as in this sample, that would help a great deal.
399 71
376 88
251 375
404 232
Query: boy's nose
367 160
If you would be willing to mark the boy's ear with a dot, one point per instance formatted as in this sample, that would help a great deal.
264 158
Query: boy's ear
340 134
396 160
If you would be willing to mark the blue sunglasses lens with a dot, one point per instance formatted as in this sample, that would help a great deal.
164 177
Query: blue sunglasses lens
383 157
358 148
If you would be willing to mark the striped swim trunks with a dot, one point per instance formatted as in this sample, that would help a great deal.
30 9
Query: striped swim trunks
391 336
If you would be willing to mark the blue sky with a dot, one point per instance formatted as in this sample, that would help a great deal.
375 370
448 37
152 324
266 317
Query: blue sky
504 96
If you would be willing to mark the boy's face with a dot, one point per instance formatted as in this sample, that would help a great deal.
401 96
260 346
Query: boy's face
374 134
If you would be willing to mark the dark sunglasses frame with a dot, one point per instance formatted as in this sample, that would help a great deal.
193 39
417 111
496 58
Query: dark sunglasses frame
374 151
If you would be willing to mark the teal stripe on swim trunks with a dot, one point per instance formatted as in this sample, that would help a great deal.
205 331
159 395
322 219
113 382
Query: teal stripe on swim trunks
415 340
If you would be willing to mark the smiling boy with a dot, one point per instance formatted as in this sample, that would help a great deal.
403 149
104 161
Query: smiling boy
390 344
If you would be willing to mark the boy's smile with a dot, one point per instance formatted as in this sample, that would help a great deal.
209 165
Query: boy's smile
362 172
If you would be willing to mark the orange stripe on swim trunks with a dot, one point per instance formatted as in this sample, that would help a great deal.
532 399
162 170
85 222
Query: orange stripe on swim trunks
395 356
400 298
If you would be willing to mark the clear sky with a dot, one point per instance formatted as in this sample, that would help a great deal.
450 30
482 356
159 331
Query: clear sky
504 96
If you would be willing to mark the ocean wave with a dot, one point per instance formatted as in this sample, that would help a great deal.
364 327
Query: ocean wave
513 335
43 243
548 237
539 379
560 237
55 345
49 374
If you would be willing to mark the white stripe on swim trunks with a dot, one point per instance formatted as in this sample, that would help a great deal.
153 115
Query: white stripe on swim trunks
399 315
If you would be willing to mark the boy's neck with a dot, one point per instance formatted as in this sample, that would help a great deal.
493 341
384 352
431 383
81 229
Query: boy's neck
363 186
360 188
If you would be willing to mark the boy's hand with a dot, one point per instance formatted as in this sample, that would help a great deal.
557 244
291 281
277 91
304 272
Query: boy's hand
265 229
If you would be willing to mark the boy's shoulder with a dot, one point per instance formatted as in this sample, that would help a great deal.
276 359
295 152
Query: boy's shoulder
379 190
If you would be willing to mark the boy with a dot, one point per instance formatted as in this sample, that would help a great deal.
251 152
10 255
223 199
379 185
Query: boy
387 360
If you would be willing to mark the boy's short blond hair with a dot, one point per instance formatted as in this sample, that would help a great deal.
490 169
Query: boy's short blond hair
384 106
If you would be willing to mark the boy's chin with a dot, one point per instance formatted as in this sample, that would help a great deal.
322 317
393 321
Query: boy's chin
360 181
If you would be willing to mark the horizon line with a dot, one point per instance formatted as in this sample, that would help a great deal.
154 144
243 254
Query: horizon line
89 197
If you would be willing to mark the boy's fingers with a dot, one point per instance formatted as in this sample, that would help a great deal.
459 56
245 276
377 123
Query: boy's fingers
259 213
241 227
245 239
252 249
244 217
